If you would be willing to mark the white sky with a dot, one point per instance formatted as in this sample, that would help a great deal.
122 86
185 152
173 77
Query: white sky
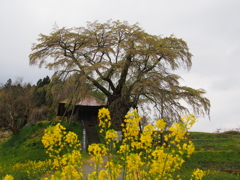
210 27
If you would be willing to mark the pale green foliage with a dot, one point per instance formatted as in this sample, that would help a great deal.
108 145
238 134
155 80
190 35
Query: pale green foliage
128 65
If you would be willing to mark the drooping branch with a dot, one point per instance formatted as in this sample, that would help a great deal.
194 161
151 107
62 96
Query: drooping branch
124 62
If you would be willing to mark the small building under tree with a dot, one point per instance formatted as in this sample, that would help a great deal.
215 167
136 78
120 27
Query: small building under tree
85 111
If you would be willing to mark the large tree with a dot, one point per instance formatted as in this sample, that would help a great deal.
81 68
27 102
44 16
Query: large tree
130 66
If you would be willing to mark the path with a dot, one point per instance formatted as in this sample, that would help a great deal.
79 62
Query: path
87 169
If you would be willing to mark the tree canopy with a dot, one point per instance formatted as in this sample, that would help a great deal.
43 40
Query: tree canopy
131 67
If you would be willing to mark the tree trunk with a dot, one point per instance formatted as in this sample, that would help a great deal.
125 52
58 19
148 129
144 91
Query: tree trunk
118 109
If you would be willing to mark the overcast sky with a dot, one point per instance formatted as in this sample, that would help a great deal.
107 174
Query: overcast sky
210 27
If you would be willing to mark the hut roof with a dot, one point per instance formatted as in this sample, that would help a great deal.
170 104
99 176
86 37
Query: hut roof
88 101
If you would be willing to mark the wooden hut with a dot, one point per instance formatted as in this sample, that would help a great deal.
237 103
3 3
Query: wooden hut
85 111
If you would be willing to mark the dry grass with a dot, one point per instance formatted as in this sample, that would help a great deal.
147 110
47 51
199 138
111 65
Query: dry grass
4 135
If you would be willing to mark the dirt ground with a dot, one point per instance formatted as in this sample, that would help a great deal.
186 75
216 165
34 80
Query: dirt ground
88 169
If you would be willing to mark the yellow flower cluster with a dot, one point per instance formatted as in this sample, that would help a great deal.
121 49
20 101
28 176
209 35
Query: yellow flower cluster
153 154
72 139
188 120
57 141
8 177
131 129
70 167
178 132
111 135
189 148
198 174
113 170
160 125
164 163
32 169
146 136
134 166
53 139
111 139
104 119
97 151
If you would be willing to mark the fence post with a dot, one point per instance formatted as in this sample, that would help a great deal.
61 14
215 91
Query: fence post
84 141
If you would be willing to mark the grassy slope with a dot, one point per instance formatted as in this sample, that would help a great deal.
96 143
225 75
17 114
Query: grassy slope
217 151
27 144
220 152
213 151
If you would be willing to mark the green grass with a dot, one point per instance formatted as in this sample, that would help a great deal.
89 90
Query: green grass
216 152
27 146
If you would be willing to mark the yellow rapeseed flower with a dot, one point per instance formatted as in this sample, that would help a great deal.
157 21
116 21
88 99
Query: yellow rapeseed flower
8 177
198 174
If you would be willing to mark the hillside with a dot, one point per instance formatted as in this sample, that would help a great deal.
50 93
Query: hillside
219 152
214 151
27 144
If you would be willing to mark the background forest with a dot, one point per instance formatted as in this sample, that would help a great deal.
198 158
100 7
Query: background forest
22 104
